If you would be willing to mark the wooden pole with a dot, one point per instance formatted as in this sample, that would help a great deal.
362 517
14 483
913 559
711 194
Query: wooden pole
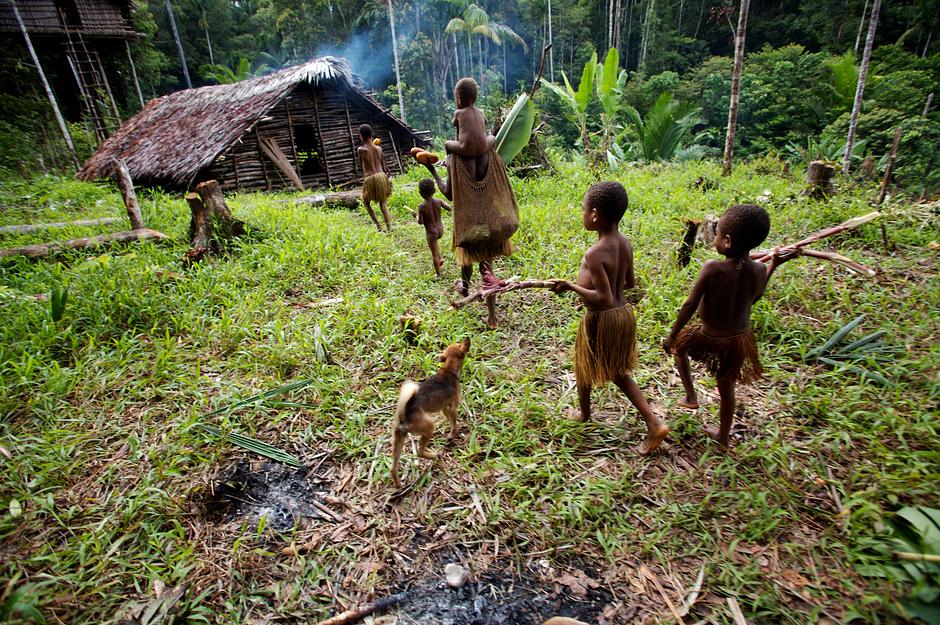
45 85
352 141
326 161
890 168
22 229
130 61
123 179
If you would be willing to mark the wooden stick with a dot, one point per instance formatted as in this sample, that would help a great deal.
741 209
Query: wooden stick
890 168
736 612
354 614
653 578
535 83
503 288
122 177
842 260
790 249
44 249
20 229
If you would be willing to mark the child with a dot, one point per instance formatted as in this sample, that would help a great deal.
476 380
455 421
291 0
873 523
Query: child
723 294
605 349
375 185
429 215
472 140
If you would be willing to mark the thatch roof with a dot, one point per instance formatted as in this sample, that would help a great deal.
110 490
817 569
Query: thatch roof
176 136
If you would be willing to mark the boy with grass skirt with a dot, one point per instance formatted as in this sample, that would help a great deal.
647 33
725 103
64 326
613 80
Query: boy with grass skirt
605 348
723 295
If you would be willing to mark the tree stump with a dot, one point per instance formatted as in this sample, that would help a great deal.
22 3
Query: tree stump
684 253
819 180
211 221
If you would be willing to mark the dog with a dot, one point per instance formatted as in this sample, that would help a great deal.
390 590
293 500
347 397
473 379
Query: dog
417 403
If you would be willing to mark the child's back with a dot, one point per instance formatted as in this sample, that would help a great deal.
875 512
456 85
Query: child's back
729 291
612 255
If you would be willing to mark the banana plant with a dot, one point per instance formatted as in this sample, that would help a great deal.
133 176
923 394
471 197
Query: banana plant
516 130
609 82
579 100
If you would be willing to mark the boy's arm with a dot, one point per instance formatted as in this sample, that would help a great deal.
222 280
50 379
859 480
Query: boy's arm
688 308
602 295
446 206
443 186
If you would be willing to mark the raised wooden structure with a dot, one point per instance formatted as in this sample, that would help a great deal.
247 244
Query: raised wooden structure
295 128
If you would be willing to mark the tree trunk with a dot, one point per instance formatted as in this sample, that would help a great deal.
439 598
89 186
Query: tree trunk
130 62
551 55
456 59
45 249
679 25
179 44
923 54
211 219
122 177
626 45
480 58
927 104
860 88
209 44
819 180
735 87
22 229
861 27
698 24
401 100
45 85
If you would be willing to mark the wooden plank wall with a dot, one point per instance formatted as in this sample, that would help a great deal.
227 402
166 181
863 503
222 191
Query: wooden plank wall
339 113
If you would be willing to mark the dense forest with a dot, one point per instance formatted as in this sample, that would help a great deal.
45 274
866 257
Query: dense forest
800 70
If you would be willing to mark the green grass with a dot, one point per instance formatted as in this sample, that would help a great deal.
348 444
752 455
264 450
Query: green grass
108 470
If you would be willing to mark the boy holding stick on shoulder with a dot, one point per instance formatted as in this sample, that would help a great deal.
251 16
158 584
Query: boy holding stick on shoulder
605 348
723 295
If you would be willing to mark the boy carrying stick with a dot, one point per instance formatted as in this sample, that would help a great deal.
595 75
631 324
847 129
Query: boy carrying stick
605 349
723 294
429 215
376 186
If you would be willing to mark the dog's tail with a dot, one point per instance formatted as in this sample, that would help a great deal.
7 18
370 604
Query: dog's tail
408 390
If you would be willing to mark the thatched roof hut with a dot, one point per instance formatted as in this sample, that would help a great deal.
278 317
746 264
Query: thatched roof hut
298 125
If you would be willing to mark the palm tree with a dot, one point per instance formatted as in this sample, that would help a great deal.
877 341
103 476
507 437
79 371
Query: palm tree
201 9
476 21
735 87
860 88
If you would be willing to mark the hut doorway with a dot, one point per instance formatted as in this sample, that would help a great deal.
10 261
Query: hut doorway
309 163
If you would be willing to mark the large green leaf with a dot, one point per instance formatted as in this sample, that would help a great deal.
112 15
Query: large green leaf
586 86
566 95
608 83
516 130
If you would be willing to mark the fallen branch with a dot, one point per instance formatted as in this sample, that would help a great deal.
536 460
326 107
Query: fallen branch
354 614
24 228
502 288
795 249
45 249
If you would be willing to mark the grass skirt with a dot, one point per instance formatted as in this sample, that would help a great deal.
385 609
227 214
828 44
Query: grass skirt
731 357
376 188
605 347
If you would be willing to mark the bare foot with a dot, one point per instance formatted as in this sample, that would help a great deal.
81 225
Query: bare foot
489 278
574 414
654 437
427 454
492 323
713 434
462 287
689 404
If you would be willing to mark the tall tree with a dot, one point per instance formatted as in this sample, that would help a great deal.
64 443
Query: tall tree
179 44
476 21
391 24
201 9
735 86
860 88
551 48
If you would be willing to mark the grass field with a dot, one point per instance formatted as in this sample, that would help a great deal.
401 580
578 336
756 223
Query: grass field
105 478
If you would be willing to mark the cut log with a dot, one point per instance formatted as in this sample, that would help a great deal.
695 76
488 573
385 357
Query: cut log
354 614
819 180
24 228
347 199
210 220
122 177
45 249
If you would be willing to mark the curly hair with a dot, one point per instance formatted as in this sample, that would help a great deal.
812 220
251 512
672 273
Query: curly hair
466 88
609 198
747 225
426 187
365 131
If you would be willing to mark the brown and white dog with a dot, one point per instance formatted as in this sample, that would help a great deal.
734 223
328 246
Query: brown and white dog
417 403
